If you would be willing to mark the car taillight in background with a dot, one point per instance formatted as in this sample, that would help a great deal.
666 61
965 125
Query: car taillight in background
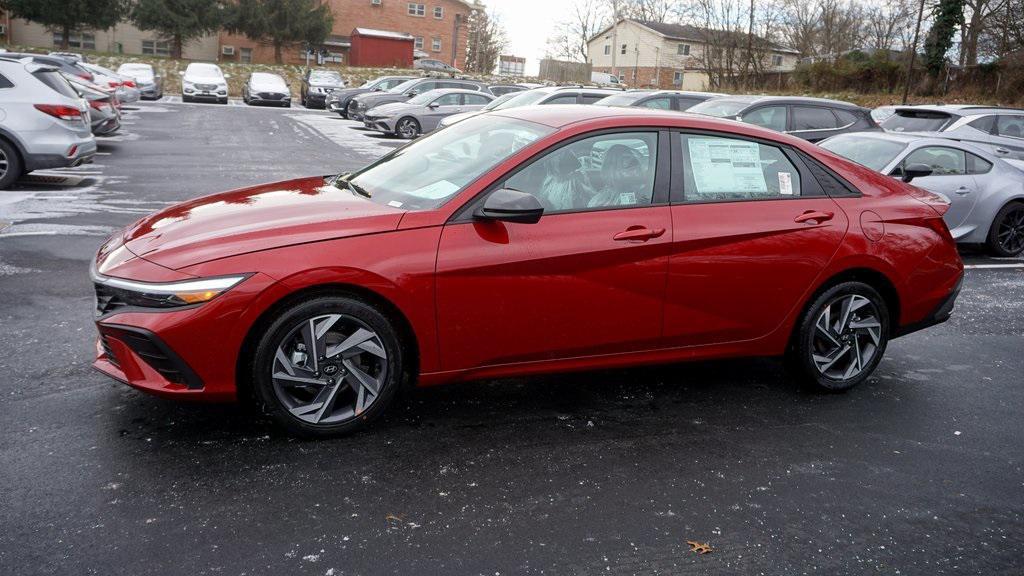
128 83
99 104
114 84
60 111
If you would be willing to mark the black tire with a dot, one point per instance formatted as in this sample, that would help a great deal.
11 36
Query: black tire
411 131
10 163
224 101
1006 235
807 339
274 404
185 99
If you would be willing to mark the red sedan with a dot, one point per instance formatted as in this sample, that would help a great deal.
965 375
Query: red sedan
528 241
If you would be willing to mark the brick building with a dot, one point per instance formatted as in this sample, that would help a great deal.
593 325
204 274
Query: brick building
438 28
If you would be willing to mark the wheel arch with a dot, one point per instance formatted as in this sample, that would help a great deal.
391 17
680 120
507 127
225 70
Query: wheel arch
870 276
419 127
249 342
1017 198
8 137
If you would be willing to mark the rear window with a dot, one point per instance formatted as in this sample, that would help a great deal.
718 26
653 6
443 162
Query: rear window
812 118
5 83
54 80
916 121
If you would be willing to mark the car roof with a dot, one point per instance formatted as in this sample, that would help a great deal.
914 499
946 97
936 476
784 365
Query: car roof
443 91
918 139
961 109
755 99
561 115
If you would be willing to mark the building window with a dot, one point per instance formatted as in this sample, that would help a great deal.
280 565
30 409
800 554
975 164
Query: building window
76 40
245 55
776 60
435 44
418 42
622 77
677 78
438 12
623 49
417 9
156 48
683 49
607 49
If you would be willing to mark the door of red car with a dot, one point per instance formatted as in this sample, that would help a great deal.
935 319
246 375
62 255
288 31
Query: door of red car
587 279
752 231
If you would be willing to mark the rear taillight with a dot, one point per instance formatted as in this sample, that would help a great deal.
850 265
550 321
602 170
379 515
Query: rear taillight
60 111
85 76
113 84
99 104
129 83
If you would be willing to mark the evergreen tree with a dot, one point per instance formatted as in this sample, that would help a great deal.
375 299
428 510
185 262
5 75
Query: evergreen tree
948 16
67 16
178 21
281 23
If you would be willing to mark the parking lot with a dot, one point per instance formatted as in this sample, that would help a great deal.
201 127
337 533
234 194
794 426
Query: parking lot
918 471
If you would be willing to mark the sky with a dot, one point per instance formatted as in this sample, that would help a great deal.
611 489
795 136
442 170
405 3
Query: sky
528 25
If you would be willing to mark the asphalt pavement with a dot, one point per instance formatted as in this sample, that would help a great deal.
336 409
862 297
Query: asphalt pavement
918 471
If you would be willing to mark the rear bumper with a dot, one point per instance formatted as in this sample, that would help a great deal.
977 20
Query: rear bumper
83 153
940 314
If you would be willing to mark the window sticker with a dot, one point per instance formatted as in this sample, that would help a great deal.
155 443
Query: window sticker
724 165
395 204
627 198
785 183
436 191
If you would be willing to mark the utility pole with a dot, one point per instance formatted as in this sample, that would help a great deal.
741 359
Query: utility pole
615 37
913 53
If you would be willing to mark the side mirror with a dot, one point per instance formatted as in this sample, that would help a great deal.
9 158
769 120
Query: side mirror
511 206
433 105
912 171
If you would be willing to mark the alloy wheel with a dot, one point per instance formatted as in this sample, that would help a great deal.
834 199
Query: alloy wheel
329 369
847 334
3 164
1011 231
407 129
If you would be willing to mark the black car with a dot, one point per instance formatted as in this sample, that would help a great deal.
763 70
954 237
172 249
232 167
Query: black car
64 64
316 85
657 99
812 119
358 106
337 100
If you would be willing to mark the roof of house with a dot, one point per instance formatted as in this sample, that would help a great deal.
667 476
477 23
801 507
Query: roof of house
689 32
383 34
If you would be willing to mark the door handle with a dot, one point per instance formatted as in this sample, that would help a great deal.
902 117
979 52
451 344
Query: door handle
814 217
640 233
963 190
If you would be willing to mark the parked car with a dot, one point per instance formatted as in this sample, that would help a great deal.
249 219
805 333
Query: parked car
658 99
104 109
204 81
447 260
146 79
266 88
61 63
358 106
812 119
43 121
337 100
124 86
431 65
502 89
73 56
316 84
421 114
605 79
986 193
538 97
999 130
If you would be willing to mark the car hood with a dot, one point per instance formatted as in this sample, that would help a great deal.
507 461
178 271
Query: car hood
253 219
394 108
268 87
378 98
204 79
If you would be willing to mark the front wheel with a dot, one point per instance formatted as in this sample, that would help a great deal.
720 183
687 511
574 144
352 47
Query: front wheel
1006 236
407 128
841 337
10 164
328 366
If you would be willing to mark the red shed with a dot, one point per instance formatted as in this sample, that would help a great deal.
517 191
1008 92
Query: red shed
381 48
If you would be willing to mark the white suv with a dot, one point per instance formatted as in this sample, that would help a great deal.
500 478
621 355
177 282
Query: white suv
201 81
43 121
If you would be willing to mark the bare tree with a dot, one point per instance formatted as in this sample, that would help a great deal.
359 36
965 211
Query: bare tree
800 26
886 25
978 16
486 41
649 10
586 18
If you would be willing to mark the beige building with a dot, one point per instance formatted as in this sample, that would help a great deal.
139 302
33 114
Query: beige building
655 54
124 38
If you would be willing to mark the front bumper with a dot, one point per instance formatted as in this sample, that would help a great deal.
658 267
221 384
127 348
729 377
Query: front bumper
270 98
206 95
380 124
316 99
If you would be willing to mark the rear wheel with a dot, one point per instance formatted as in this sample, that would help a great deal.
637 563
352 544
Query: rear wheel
407 128
1006 235
841 337
328 366
10 165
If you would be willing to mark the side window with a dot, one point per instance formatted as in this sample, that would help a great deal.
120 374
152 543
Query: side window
610 170
772 117
977 164
813 118
943 161
448 100
5 83
717 169
426 87
660 103
1012 126
846 118
591 98
475 99
687 103
985 124
563 99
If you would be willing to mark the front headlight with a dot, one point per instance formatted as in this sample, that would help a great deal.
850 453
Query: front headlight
166 294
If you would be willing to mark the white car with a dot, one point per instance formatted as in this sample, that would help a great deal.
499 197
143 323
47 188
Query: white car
202 81
123 86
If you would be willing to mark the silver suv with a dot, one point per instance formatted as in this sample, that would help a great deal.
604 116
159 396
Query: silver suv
43 122
998 130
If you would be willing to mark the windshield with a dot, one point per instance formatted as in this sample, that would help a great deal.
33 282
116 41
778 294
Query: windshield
325 76
500 100
404 86
428 172
720 108
874 153
425 98
621 99
915 121
267 79
523 99
140 72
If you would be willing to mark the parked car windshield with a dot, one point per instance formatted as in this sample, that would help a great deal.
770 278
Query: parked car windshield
915 121
523 99
404 86
425 98
621 99
720 108
204 71
325 76
497 102
875 153
430 171
141 72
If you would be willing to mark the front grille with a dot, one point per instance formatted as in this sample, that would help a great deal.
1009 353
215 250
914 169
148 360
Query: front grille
107 300
108 351
207 87
153 355
270 96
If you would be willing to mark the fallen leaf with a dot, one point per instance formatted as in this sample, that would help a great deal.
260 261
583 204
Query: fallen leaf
699 547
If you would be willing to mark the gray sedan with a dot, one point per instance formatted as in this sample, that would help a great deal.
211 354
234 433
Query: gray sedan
986 193
422 113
